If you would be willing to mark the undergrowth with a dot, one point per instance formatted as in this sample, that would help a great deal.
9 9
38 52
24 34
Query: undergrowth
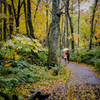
90 57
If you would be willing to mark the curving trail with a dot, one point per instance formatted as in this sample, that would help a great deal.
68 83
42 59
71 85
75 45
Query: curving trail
83 84
83 74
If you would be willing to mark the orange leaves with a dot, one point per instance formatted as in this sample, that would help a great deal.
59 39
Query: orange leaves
6 65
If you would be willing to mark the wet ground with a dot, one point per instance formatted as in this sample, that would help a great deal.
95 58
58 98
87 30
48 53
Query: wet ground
83 74
84 84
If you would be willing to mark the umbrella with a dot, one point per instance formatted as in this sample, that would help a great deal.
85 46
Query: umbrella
65 49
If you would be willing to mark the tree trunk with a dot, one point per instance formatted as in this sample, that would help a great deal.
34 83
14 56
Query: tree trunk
91 35
10 20
71 26
53 46
0 21
5 10
29 19
26 19
17 15
63 37
47 38
66 17
78 19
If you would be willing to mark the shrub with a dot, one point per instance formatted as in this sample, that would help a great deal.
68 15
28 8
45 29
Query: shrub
97 64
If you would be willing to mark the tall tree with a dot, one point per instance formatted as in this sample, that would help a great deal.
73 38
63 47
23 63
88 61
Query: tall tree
5 11
10 19
0 21
78 19
26 18
53 45
46 43
71 26
29 19
63 36
17 14
66 17
93 15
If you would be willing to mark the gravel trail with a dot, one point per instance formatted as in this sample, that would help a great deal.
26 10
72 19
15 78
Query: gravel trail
82 74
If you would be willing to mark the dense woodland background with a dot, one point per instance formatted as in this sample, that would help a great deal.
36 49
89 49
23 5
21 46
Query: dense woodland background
33 34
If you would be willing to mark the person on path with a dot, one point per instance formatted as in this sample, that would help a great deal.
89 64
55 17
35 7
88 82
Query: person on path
65 56
68 55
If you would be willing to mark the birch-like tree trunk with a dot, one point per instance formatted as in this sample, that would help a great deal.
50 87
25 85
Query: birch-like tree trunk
91 35
53 44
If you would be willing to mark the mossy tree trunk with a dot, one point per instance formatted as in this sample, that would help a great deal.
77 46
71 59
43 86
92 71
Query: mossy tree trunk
53 42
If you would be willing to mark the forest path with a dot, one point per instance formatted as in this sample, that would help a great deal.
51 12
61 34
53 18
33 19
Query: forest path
82 74
84 84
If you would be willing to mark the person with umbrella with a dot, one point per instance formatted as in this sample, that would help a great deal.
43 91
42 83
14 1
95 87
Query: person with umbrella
65 55
68 55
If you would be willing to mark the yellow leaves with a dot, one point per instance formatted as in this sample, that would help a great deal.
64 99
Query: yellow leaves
73 35
15 56
74 99
6 65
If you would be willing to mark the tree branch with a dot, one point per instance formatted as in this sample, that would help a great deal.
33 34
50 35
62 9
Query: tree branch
38 2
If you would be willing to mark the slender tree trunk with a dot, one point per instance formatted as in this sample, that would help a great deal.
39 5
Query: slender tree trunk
63 37
0 21
47 38
29 19
38 2
71 26
91 35
10 20
66 17
53 46
5 10
17 14
78 19
60 42
26 18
